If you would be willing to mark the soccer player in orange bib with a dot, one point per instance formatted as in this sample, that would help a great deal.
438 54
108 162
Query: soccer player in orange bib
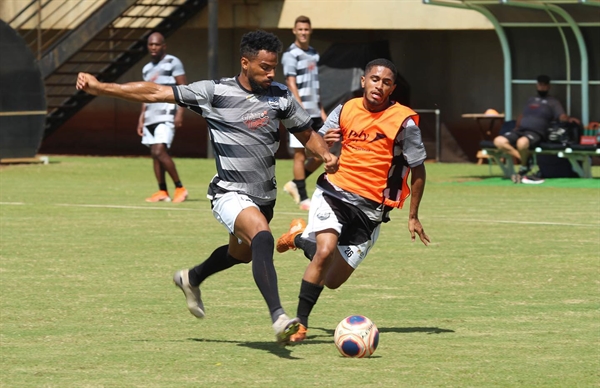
380 147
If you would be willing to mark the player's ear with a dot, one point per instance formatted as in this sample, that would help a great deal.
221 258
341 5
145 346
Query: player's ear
362 81
244 61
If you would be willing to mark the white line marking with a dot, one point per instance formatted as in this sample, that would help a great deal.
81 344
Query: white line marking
515 222
126 207
296 214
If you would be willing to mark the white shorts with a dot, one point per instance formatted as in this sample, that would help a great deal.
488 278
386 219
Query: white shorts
163 134
321 216
229 206
293 142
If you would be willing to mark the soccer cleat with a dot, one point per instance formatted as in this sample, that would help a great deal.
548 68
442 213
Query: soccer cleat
532 179
180 194
292 190
305 204
192 294
160 195
300 334
285 328
286 241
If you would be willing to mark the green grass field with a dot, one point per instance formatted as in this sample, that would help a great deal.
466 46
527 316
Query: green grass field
507 295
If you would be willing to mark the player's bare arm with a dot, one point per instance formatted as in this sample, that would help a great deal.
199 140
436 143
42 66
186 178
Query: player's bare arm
140 127
316 146
290 82
418 176
133 91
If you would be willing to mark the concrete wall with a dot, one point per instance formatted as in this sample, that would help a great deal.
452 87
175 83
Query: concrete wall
456 71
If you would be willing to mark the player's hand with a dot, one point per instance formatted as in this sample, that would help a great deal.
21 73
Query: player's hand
140 130
88 83
415 227
331 163
332 136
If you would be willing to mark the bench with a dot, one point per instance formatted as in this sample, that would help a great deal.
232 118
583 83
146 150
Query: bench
579 156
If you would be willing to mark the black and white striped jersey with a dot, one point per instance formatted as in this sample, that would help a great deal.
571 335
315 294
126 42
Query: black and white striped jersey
243 129
163 73
303 65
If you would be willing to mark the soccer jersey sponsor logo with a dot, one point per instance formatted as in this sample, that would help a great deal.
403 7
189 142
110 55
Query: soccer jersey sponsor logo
256 120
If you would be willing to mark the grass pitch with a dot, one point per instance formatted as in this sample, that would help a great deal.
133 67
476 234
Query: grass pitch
506 296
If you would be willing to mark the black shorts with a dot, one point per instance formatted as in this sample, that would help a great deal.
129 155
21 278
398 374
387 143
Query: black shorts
534 138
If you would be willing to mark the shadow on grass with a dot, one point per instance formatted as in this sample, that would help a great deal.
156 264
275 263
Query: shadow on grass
328 333
325 337
271 347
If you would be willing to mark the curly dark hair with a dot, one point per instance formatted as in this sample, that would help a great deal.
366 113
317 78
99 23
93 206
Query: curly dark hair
253 42
382 62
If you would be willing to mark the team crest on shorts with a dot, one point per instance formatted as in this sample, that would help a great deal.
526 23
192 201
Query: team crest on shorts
323 216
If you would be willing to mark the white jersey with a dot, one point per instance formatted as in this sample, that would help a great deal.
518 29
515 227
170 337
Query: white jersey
163 73
303 65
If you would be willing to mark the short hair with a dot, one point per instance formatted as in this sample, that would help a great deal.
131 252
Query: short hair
543 79
382 62
253 42
302 19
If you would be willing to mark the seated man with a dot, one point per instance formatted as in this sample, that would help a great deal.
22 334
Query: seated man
532 126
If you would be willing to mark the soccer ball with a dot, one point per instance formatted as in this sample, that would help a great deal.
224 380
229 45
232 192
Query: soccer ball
356 336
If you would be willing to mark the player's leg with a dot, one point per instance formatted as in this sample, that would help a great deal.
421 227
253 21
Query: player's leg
225 209
354 246
189 280
311 165
297 187
164 134
149 140
324 232
252 227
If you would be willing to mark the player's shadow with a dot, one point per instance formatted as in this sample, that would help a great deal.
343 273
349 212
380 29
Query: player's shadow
271 347
426 330
314 338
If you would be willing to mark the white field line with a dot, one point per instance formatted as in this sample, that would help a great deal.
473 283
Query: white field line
303 214
488 221
126 207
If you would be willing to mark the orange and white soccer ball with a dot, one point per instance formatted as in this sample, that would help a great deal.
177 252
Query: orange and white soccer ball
356 336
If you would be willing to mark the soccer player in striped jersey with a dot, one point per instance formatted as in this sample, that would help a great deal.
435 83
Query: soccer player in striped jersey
302 78
158 121
381 146
243 115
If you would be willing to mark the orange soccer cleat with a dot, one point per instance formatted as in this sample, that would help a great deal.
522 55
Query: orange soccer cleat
180 195
300 334
286 241
160 195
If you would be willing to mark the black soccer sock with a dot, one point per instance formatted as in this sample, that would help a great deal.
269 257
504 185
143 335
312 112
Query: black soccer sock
264 273
218 261
301 185
178 184
309 294
309 248
162 186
